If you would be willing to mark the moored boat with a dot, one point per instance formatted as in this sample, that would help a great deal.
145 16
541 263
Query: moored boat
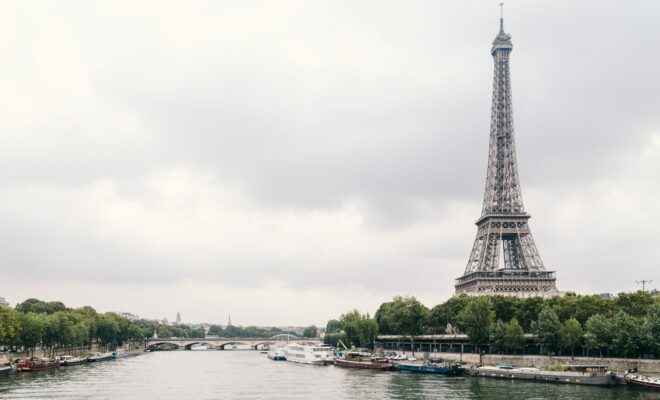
641 381
35 364
199 347
575 374
71 360
276 353
99 357
360 359
308 354
120 353
6 367
441 368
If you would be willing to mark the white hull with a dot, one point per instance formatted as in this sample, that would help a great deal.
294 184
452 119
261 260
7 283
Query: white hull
310 355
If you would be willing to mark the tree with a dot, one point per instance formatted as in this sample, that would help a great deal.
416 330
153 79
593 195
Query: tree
586 306
528 311
599 333
164 332
547 328
635 304
651 329
447 313
32 329
108 329
403 316
627 338
360 329
476 319
333 326
571 334
9 326
564 306
310 331
215 330
498 336
505 307
515 336
40 307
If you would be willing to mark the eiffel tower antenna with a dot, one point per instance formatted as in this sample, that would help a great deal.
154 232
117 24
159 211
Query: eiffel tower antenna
504 259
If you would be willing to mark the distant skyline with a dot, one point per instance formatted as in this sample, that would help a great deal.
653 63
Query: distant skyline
289 161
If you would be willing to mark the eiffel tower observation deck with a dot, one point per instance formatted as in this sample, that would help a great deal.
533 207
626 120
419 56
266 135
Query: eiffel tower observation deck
504 259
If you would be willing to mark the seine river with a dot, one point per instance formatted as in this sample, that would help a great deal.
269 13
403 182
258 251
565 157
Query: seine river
202 375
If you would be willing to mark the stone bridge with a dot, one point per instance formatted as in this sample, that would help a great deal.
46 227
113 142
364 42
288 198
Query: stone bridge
224 343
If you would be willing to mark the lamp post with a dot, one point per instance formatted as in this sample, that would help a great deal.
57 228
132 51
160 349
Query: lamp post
643 282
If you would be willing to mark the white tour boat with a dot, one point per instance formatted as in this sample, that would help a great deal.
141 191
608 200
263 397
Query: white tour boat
200 347
309 354
276 353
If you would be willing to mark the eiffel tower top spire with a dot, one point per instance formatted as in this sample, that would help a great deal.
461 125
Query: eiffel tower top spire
502 192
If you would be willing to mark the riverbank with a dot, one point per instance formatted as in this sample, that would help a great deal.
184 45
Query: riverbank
131 348
618 365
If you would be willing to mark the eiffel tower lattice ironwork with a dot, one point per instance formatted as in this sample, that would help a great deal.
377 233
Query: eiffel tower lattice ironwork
504 259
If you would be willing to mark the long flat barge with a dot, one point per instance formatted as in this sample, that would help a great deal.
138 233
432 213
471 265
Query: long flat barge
578 374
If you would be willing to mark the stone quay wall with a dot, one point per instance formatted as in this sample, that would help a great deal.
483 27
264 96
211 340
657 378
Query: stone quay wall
619 365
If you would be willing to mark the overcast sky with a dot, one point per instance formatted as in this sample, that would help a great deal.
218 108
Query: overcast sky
288 161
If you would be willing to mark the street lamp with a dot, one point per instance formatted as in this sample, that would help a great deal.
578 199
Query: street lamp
643 282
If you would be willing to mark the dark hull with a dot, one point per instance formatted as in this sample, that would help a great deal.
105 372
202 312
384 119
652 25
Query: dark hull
33 367
99 359
381 366
641 384
69 363
430 369
543 376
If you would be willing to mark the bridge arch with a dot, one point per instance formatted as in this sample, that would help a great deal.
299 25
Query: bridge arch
163 346
224 346
188 346
261 345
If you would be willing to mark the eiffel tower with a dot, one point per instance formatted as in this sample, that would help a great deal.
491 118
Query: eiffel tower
504 259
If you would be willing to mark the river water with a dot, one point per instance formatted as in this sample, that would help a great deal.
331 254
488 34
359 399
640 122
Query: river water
199 375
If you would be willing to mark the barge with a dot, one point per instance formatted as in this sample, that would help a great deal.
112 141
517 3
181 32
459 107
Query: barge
573 374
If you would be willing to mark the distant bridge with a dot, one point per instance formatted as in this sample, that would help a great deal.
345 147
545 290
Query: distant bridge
223 343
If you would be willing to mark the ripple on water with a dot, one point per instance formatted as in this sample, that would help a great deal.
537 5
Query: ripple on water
250 375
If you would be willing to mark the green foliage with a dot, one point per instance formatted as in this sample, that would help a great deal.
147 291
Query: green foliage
404 315
628 335
360 329
498 336
505 307
310 331
9 325
599 333
571 334
476 319
587 306
32 329
635 304
651 329
333 326
515 336
333 338
447 313
528 312
215 330
547 328
564 306
39 307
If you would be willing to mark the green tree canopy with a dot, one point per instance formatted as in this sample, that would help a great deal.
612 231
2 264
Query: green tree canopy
310 331
547 328
476 319
571 334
